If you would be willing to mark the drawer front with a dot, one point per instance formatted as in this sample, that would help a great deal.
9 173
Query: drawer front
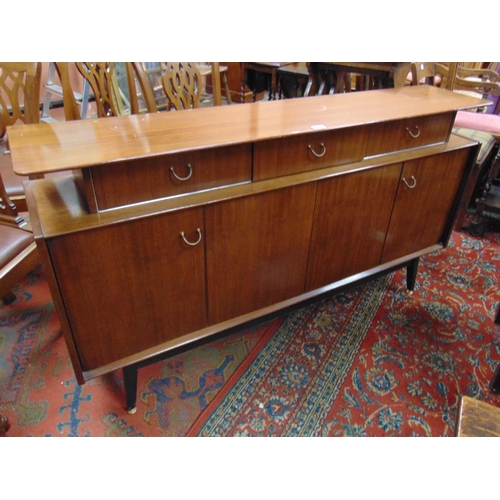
294 154
152 178
409 133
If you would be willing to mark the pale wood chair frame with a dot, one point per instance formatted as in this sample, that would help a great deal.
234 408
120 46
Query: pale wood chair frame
18 78
182 84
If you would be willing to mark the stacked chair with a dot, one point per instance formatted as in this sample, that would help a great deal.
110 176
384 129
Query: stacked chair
19 103
472 124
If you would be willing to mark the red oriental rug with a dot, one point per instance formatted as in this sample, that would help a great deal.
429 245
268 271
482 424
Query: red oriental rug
373 361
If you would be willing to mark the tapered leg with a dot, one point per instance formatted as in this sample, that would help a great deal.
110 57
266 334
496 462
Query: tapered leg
495 383
130 383
411 274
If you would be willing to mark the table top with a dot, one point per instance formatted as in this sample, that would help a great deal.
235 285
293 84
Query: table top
374 66
53 147
478 419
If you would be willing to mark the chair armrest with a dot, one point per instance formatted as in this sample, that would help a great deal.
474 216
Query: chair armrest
483 74
481 86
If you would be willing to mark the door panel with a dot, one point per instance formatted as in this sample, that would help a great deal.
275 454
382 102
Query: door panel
426 192
257 250
153 290
350 223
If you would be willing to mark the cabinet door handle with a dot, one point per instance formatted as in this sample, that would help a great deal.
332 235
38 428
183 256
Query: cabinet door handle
416 134
188 242
414 183
318 155
190 173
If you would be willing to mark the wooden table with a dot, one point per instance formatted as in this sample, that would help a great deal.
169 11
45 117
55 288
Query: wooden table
477 419
180 226
384 73
268 68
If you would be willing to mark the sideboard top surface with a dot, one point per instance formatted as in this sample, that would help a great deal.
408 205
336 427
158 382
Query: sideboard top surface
53 147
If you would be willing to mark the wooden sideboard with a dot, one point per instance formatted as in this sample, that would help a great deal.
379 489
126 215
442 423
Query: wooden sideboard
178 226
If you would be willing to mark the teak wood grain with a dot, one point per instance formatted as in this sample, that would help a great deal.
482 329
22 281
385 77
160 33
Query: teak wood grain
54 147
301 153
117 284
409 133
132 182
257 249
351 218
420 214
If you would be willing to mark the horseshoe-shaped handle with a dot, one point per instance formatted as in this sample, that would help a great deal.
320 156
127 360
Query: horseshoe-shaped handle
414 183
318 155
416 134
188 166
188 242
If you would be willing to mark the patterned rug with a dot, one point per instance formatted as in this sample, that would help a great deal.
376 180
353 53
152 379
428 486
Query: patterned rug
40 396
373 361
376 361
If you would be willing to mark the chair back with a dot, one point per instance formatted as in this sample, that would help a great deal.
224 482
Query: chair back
481 82
71 109
19 93
182 84
102 80
428 73
137 73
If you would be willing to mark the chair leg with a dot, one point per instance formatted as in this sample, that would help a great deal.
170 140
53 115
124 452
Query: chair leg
226 87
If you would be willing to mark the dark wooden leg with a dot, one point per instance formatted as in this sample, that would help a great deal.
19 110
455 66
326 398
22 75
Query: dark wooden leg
495 383
130 383
8 299
497 317
411 274
4 425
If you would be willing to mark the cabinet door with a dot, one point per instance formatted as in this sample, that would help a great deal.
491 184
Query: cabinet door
128 287
257 249
350 223
425 197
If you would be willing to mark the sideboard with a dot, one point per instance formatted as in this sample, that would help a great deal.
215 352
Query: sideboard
178 226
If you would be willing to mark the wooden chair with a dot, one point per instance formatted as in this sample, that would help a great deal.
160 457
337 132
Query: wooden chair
477 126
102 81
18 252
19 103
182 85
138 75
141 87
218 73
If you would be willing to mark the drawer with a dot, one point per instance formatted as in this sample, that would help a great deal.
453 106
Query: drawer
302 153
144 179
409 133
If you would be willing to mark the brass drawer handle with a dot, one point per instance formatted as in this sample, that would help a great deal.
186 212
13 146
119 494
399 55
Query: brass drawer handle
188 166
413 184
188 242
414 135
318 155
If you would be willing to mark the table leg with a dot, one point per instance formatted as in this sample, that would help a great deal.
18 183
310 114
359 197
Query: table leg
130 383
